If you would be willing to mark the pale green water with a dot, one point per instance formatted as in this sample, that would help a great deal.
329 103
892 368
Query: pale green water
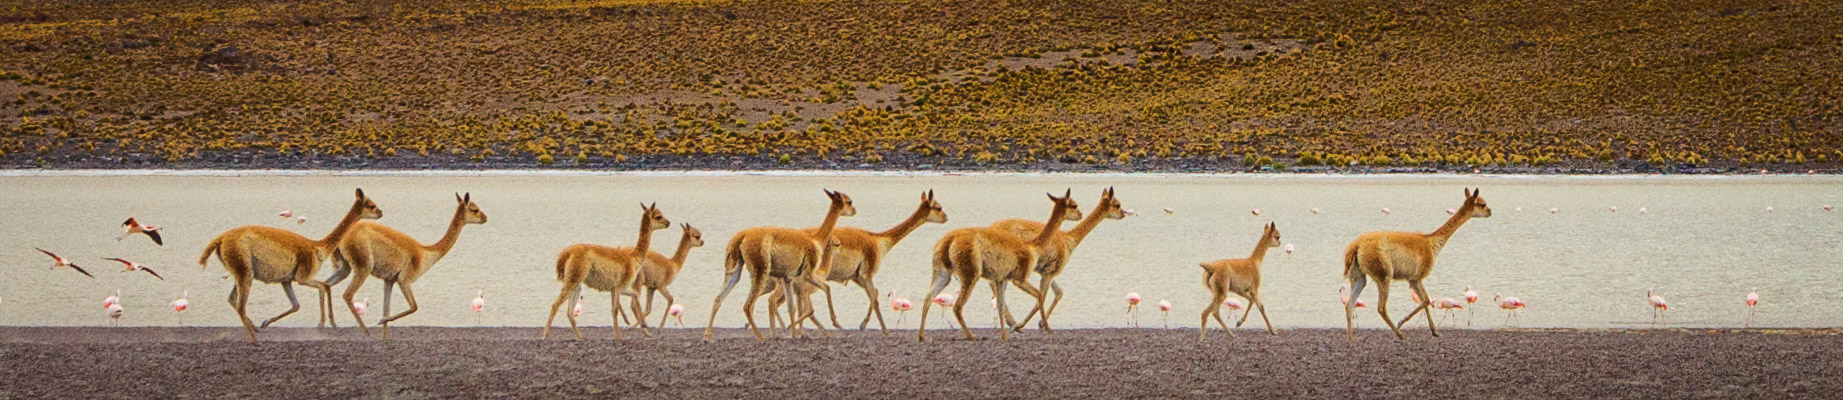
1704 243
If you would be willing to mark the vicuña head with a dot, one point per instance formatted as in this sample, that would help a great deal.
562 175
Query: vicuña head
1067 201
843 203
474 216
693 237
1477 204
1272 236
371 210
655 220
1111 205
935 215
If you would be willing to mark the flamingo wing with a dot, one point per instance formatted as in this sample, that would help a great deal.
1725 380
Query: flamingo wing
150 271
54 256
155 235
80 269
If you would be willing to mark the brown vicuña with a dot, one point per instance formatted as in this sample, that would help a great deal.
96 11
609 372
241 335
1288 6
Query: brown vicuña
782 254
393 256
657 272
1241 276
803 291
995 255
1052 262
1401 256
860 257
604 268
274 255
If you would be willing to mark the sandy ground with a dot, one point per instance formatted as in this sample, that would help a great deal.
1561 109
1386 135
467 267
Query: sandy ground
423 362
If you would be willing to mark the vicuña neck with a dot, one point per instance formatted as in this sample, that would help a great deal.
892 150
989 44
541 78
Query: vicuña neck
645 242
453 234
1439 236
825 228
684 249
1260 248
1087 224
1051 228
901 230
345 224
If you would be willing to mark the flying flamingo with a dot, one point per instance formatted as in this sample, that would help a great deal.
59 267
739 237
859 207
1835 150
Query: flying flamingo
1387 211
1314 210
287 214
1256 212
131 227
1753 299
135 266
1449 211
300 220
57 261
115 314
1289 248
1164 307
1132 305
1130 213
1169 211
112 299
900 305
677 311
1471 297
180 305
1554 210
1510 305
479 304
1658 306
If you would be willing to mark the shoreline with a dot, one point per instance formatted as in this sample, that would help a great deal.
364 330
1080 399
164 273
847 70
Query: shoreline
1101 363
105 172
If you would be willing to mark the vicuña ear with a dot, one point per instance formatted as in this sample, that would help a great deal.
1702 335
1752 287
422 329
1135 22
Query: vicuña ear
654 206
457 198
643 207
930 194
1068 192
359 192
467 197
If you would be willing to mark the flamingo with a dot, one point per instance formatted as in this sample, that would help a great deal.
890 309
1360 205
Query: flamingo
300 220
576 310
180 305
1827 207
1314 210
287 214
57 261
479 304
1612 209
131 227
1233 304
900 305
1343 296
135 266
1753 299
998 320
1130 213
1644 210
1769 209
1510 305
1519 209
1449 211
359 307
1658 306
946 300
1289 248
1448 304
1256 212
112 299
1554 210
1387 211
1164 306
1169 211
677 311
1471 297
1132 304
115 314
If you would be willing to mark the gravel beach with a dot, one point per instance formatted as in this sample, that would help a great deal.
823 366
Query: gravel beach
430 362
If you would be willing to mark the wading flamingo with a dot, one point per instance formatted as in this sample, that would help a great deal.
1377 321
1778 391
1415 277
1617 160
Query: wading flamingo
1387 211
112 299
1554 210
900 305
1233 304
1314 210
1753 299
1289 248
479 304
676 311
1510 305
1256 212
1448 304
359 307
58 261
1343 297
115 314
180 305
131 227
1132 305
1169 211
1471 297
1658 306
1164 307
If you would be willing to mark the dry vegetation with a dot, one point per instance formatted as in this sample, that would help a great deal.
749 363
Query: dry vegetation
1119 84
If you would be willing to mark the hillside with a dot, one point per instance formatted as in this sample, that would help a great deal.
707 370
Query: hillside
1532 86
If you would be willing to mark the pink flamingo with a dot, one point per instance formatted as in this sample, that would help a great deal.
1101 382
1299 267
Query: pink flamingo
946 301
1343 297
131 227
1644 210
1132 305
1510 305
287 214
1289 248
300 220
1450 211
112 299
1256 212
359 307
1169 211
1658 306
1448 304
1314 210
1769 209
58 261
1827 207
180 305
1753 299
677 311
479 304
576 310
1554 210
1233 304
1471 297
115 314
899 304
135 266
1164 306
1387 211
1612 209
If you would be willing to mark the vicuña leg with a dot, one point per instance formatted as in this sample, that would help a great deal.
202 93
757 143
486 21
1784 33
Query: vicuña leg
614 302
870 291
562 296
941 278
1214 309
294 305
669 302
731 276
959 307
409 296
756 284
1426 302
1256 301
1357 280
1382 306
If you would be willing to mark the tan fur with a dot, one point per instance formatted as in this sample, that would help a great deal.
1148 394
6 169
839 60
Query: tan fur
657 272
378 251
603 268
1401 256
994 255
1052 262
1241 276
860 257
260 253
804 291
776 253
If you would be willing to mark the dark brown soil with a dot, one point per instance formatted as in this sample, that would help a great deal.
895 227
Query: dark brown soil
421 362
